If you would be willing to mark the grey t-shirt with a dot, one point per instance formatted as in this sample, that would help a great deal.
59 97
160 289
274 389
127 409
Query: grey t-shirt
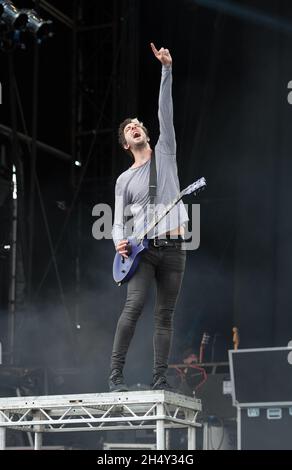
132 186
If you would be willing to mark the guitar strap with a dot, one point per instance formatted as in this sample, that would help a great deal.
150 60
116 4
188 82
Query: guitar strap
152 187
152 180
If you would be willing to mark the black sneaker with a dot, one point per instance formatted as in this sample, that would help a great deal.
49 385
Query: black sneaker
160 383
116 382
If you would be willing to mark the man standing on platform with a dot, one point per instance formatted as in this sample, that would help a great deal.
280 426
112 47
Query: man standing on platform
164 261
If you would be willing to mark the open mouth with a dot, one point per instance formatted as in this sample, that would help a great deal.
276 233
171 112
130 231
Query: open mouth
136 134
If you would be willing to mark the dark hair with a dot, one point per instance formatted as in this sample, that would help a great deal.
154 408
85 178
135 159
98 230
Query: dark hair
121 135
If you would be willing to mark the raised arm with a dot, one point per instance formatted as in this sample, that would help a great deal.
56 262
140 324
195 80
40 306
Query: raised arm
166 141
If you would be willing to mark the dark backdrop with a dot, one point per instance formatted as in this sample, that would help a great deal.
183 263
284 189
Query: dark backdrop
233 124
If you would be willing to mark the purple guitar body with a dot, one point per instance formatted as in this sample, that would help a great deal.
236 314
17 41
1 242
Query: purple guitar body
124 268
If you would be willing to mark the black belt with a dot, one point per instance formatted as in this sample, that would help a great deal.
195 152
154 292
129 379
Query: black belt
164 242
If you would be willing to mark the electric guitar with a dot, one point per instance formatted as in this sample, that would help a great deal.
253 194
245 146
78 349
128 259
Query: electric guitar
124 268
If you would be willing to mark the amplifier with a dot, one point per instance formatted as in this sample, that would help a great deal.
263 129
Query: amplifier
261 382
265 428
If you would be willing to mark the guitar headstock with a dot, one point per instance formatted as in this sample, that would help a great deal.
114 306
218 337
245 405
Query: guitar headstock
195 187
205 338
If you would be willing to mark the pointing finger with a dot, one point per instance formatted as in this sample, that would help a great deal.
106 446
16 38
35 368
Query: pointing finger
153 48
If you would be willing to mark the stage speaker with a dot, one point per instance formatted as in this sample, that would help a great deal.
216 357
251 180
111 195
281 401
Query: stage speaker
261 382
265 428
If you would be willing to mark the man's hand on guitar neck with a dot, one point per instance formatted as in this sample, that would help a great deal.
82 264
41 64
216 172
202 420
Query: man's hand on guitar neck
123 248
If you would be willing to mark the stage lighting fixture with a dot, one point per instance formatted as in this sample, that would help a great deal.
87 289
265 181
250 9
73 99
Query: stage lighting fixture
9 14
37 26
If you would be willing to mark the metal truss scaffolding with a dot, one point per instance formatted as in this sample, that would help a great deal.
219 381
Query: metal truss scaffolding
157 410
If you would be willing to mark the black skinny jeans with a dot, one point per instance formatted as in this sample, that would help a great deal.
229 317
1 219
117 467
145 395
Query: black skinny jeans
166 265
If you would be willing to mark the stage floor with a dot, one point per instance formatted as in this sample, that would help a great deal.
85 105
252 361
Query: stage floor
157 410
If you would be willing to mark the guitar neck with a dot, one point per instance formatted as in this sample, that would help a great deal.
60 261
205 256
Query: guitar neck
235 338
201 355
156 221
